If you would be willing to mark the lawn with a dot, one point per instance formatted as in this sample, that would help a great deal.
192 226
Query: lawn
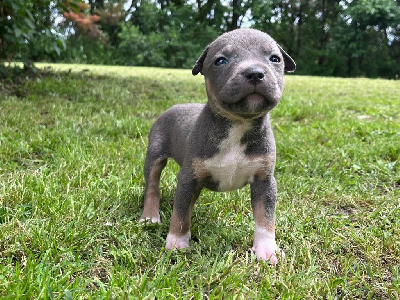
72 148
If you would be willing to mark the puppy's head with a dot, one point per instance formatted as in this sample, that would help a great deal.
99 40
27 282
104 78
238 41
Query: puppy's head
243 70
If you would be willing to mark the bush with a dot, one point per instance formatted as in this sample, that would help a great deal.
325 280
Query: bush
82 49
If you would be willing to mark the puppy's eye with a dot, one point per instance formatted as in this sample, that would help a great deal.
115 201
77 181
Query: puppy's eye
220 61
275 59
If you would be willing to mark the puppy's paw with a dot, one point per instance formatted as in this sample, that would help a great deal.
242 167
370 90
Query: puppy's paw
177 242
265 247
150 220
268 252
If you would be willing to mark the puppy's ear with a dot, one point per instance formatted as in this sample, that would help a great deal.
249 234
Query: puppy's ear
290 65
198 66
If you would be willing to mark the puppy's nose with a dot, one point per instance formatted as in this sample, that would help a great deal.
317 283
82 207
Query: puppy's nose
254 75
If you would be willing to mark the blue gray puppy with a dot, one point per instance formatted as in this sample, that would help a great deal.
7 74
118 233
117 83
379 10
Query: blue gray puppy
226 143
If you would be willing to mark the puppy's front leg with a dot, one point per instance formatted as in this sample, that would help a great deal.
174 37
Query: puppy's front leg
263 199
187 192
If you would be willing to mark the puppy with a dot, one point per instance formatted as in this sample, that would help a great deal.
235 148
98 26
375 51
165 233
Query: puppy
226 143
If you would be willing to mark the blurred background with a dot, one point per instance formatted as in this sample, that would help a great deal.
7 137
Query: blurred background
325 37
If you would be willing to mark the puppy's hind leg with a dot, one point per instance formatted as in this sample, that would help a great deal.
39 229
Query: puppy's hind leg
152 172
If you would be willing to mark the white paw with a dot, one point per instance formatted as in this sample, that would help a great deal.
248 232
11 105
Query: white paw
268 252
150 220
177 242
265 247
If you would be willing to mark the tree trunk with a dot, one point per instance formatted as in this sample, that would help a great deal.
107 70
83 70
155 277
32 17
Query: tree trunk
233 24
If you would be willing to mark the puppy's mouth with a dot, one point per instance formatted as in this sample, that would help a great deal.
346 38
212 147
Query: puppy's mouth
249 106
254 101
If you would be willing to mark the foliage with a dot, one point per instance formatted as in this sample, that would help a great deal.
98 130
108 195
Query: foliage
171 46
361 37
27 30
335 38
72 149
325 37
83 49
85 23
136 48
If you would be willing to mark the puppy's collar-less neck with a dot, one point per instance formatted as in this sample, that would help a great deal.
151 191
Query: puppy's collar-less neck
218 111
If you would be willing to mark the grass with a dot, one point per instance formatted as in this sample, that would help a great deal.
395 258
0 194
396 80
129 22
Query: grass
72 148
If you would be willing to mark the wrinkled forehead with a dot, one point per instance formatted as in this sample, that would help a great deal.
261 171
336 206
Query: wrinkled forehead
248 39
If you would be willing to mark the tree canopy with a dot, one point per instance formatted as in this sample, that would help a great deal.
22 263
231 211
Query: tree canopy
325 37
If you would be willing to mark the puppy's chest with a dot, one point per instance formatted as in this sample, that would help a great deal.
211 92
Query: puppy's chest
231 167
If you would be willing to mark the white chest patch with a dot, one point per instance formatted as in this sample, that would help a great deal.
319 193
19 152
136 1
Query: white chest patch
230 166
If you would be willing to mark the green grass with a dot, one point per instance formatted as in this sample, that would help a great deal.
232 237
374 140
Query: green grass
72 148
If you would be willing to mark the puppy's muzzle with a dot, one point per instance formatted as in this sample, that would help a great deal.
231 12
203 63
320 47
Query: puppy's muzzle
254 75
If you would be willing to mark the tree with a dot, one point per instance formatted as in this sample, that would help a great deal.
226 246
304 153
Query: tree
85 23
326 37
27 28
361 37
334 37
